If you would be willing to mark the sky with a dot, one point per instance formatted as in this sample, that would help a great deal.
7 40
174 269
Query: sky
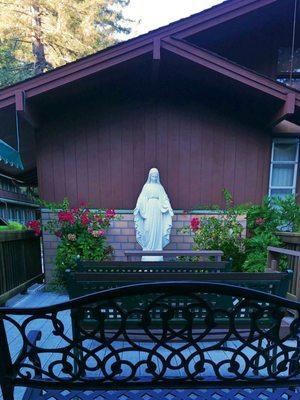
155 13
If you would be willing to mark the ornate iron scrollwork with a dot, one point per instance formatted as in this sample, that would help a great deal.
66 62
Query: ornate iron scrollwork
175 335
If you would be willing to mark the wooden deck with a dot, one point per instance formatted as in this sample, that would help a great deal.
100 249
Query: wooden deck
48 341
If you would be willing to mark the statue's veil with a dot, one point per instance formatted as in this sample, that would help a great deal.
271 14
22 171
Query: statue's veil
149 175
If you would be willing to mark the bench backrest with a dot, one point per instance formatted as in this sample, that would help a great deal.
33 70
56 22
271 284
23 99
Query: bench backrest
117 360
161 267
93 278
215 255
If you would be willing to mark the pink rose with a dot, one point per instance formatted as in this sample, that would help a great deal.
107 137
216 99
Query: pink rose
98 233
110 213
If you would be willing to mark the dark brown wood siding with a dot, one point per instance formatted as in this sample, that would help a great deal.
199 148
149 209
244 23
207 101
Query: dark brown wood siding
102 154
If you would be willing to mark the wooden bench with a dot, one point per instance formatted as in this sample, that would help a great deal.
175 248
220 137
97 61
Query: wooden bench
115 273
174 363
93 276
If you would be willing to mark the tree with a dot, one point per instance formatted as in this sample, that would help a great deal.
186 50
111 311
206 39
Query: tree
38 35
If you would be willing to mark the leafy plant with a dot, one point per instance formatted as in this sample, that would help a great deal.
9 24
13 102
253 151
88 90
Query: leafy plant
262 224
255 262
222 232
12 226
289 213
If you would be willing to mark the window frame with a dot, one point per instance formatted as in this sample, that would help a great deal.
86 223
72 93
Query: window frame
295 163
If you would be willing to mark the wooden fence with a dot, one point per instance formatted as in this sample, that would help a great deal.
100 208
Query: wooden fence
20 262
292 251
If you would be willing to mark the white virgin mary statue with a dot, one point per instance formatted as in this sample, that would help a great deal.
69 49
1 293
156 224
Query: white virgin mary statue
153 216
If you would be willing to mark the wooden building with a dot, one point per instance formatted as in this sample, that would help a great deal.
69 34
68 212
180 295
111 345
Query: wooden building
211 100
16 202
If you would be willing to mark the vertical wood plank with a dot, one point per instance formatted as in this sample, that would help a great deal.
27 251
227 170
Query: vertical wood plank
69 145
58 162
104 162
138 137
81 158
184 162
116 125
94 185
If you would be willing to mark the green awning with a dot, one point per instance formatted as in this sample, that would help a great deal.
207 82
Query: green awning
10 156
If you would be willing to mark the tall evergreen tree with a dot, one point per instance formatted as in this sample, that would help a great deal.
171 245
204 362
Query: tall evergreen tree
38 35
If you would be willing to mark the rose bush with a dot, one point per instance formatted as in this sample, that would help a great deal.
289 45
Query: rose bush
35 225
249 254
222 232
82 233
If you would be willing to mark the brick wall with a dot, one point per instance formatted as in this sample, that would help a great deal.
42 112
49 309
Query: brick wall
121 236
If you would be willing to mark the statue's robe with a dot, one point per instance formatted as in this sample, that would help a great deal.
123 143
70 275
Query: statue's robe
153 219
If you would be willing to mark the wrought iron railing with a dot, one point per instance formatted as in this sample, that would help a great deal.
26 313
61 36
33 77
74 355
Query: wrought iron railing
182 335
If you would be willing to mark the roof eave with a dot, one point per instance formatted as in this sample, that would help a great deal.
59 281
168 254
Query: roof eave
143 43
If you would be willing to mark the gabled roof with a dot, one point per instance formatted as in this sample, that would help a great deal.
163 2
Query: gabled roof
229 69
130 49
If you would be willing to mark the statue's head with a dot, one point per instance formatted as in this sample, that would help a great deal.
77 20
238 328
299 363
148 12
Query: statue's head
153 176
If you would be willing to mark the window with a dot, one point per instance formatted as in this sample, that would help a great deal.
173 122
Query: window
284 67
284 166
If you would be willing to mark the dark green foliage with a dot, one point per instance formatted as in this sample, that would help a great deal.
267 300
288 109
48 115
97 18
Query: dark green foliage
263 221
224 232
12 226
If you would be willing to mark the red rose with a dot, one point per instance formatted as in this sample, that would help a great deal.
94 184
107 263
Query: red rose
85 219
195 223
35 225
110 213
58 234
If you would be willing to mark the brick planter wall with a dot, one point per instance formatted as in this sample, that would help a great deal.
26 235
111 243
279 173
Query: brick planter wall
121 236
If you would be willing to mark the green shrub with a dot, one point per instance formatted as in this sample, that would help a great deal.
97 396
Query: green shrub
255 262
222 232
263 221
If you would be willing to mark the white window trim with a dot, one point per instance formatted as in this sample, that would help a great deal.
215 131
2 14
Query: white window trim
295 163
